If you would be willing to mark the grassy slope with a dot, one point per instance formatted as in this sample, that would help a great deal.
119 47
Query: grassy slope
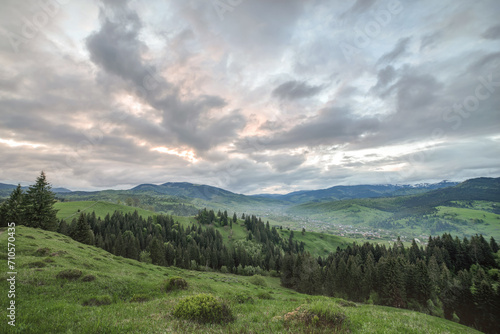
46 304
69 210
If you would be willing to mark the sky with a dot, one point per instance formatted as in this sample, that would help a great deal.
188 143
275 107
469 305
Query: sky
253 96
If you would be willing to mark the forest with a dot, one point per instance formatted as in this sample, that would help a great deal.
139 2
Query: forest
448 277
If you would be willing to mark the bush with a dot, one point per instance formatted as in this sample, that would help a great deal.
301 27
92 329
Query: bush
257 280
176 283
88 278
97 301
264 295
70 274
242 298
320 314
203 308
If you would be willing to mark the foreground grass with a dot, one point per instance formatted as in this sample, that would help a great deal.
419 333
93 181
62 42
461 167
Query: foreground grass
140 304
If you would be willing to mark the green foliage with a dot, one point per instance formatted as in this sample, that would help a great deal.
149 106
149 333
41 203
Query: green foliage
97 301
242 298
82 232
264 295
70 274
121 279
203 308
38 205
12 210
176 283
319 315
258 280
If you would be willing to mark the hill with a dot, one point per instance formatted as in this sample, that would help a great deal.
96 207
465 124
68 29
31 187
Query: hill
71 287
70 210
358 191
419 215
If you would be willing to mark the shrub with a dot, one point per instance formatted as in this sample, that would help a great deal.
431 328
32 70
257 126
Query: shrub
97 301
320 314
176 283
203 308
257 280
70 274
242 298
264 295
88 278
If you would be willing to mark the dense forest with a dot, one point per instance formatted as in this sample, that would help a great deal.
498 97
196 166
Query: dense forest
451 278
163 241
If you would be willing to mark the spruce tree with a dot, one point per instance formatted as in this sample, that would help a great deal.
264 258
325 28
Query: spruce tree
81 232
39 205
12 210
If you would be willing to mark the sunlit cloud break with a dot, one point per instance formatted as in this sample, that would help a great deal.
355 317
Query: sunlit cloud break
188 155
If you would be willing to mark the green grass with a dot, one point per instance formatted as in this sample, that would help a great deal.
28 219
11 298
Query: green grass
140 304
318 243
69 210
477 220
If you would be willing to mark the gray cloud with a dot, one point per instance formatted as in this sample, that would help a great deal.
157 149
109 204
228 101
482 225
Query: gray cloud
293 90
130 77
116 47
359 7
492 32
331 126
399 49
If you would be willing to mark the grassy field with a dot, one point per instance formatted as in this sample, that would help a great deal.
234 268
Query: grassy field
475 220
138 303
70 210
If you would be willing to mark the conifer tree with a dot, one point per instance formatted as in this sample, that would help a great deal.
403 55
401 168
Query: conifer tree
82 230
39 205
11 210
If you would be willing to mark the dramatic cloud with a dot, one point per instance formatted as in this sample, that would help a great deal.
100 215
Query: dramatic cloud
252 96
292 90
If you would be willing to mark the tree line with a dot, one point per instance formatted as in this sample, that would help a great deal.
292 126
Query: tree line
163 241
450 278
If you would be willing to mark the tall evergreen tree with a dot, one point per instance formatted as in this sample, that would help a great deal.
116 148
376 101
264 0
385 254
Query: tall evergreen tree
38 205
82 230
11 210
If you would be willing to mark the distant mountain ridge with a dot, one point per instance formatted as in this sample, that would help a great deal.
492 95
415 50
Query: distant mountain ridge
358 191
185 189
6 189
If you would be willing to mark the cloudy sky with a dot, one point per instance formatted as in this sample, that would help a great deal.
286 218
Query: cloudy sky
249 95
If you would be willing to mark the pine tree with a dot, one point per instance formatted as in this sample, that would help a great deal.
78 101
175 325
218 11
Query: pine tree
39 205
82 230
11 210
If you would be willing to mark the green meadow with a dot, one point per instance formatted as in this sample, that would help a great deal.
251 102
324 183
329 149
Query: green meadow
63 286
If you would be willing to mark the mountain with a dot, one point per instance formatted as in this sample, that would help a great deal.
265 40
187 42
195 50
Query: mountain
185 189
6 189
357 191
61 190
470 207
